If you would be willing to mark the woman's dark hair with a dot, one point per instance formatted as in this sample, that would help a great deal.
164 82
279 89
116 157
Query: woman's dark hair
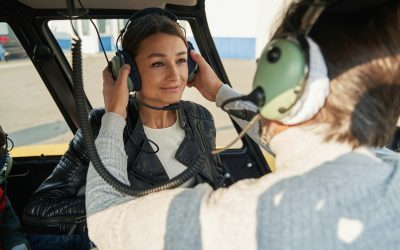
362 52
145 26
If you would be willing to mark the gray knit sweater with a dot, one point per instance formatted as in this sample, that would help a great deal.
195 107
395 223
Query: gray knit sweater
322 196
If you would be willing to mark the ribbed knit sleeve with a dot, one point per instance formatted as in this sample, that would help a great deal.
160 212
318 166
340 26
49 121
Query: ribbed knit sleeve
109 143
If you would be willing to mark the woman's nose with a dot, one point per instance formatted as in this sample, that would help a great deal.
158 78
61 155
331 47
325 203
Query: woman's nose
173 72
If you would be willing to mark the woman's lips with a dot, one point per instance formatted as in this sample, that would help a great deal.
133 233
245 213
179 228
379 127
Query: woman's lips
170 88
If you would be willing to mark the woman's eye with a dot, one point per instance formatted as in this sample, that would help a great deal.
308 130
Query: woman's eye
157 64
182 60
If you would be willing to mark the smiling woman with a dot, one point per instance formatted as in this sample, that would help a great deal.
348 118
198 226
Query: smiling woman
164 73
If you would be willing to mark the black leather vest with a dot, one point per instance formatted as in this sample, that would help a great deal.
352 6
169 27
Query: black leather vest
144 167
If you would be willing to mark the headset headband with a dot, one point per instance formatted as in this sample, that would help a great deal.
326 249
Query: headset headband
310 16
142 13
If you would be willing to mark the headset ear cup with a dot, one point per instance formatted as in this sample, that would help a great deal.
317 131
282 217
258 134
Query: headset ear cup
115 65
294 78
316 88
281 73
134 77
192 65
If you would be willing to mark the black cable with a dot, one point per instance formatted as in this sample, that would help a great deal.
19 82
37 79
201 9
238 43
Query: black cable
98 34
173 106
12 143
128 129
101 43
75 32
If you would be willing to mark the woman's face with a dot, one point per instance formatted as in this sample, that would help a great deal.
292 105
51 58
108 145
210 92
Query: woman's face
162 63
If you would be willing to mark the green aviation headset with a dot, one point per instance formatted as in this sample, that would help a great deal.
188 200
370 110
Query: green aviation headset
283 68
283 71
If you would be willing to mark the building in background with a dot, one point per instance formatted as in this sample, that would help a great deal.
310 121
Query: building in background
242 30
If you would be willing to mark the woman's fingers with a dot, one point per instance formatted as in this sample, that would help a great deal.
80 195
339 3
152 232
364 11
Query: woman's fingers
123 75
198 59
205 80
116 94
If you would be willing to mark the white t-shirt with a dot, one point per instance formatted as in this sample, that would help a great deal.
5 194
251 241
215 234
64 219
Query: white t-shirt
172 138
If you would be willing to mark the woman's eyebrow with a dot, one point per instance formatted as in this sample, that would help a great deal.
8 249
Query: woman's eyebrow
157 54
181 53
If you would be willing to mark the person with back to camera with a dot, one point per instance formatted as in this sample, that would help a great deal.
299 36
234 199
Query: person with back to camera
159 144
11 236
329 190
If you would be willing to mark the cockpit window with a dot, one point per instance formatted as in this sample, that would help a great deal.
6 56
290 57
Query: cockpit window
94 62
28 112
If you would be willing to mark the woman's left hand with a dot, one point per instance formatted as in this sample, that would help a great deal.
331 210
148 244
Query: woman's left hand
205 80
116 93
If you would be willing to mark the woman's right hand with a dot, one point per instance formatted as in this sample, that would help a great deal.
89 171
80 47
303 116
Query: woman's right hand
205 80
116 94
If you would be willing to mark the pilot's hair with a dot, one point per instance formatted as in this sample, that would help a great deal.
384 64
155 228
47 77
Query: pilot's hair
362 53
147 25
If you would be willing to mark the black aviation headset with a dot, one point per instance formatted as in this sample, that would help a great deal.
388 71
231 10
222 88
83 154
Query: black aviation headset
122 56
5 157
